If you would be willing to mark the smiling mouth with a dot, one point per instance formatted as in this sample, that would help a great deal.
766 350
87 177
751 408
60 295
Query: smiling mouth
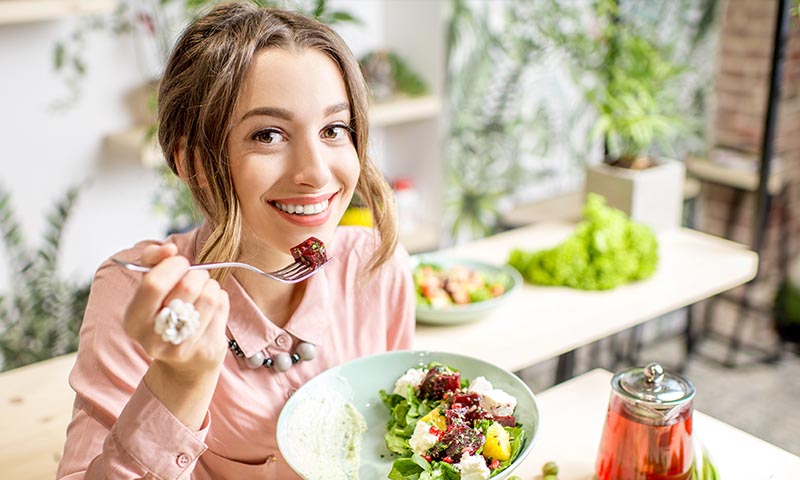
303 210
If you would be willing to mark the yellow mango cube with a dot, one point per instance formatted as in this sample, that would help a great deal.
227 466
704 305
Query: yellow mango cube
498 443
436 419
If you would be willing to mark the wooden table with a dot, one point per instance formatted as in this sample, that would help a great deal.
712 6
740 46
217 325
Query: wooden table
538 323
35 409
573 414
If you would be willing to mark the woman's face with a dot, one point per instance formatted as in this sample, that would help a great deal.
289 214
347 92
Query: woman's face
293 162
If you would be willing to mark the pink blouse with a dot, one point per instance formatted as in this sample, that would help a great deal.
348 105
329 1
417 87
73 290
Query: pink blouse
119 430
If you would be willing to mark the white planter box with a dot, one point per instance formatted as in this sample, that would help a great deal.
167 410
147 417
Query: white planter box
653 196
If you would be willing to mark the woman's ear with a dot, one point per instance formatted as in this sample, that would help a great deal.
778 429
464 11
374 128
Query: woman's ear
180 165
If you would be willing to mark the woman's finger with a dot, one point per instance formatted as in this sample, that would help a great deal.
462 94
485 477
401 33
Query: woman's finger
206 347
153 254
189 287
212 303
153 290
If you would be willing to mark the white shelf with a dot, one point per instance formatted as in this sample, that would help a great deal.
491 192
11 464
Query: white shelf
24 11
404 110
134 141
742 174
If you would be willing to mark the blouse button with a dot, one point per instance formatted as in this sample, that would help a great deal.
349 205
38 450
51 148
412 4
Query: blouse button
282 341
183 460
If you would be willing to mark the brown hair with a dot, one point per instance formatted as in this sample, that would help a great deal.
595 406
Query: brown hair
197 97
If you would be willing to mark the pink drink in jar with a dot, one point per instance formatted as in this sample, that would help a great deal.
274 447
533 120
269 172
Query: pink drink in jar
648 429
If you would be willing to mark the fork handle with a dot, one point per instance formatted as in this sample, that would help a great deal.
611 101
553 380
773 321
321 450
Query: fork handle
201 266
212 266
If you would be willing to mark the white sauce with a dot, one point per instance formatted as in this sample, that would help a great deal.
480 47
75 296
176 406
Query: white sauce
325 430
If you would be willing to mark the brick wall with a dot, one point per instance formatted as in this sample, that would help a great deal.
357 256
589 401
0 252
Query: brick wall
746 32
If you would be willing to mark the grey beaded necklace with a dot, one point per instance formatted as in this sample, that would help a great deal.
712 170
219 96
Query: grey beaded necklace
281 361
309 253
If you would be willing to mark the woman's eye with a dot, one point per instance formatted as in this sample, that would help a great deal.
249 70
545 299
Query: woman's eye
268 136
335 132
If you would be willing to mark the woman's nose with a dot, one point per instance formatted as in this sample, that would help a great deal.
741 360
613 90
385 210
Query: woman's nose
311 164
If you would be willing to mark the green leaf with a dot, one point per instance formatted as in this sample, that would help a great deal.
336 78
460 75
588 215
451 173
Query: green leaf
341 16
58 56
192 4
79 66
409 468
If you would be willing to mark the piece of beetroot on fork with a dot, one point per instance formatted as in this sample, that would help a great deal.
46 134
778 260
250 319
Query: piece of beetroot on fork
311 252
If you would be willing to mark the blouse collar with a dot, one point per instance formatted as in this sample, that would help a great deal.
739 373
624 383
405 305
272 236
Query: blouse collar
252 329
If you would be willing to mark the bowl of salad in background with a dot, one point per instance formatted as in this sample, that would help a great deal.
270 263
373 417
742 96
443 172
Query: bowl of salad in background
453 290
355 391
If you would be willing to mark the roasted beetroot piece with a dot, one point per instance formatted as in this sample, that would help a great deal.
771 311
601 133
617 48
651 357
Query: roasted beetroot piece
456 415
465 399
475 413
437 382
460 439
505 420
311 252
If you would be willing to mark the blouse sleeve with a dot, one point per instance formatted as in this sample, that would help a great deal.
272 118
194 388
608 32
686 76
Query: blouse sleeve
400 334
119 429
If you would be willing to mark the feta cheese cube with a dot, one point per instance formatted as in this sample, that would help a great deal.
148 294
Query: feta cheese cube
422 439
413 377
480 386
498 402
473 467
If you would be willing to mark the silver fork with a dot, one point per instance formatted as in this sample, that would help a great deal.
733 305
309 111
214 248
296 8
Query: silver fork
292 273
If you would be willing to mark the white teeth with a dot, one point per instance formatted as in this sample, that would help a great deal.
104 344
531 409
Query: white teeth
311 209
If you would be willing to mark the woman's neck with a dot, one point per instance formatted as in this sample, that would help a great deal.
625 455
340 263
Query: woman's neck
277 301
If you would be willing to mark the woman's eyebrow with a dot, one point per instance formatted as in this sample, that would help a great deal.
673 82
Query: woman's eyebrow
284 114
268 111
339 107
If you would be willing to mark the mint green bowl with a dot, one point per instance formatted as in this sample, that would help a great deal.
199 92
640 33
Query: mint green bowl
359 382
471 312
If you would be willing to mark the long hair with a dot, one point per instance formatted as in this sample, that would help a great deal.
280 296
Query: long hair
198 94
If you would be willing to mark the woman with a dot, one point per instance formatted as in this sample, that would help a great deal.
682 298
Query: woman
263 113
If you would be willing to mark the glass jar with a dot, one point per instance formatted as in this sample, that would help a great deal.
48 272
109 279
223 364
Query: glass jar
407 200
648 429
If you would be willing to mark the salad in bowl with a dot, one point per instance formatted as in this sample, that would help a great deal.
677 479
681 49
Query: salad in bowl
443 426
452 291
335 425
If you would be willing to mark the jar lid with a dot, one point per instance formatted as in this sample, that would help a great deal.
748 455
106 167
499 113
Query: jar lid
652 384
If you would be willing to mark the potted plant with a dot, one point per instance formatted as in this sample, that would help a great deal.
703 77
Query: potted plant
632 115
786 308
633 92
41 313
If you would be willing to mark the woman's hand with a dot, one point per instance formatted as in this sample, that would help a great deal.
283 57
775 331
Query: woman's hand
182 376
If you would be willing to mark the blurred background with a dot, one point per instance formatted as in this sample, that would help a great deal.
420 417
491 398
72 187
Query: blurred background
482 110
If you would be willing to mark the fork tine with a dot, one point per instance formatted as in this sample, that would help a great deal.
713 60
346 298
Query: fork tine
301 274
288 269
